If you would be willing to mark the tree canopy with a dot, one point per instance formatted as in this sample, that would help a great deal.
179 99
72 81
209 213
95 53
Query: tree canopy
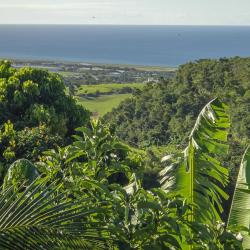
165 112
35 113
29 97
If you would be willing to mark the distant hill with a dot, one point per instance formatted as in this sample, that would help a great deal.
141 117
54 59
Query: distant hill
164 113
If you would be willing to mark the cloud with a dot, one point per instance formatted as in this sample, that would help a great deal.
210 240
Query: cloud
63 4
41 6
126 11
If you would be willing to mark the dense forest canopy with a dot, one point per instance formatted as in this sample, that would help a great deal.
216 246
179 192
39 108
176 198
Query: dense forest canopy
164 113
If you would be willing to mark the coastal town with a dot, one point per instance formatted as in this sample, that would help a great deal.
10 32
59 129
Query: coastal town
78 73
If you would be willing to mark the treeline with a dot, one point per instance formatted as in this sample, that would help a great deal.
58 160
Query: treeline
123 90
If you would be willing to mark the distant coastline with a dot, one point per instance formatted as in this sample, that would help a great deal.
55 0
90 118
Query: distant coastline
30 61
100 87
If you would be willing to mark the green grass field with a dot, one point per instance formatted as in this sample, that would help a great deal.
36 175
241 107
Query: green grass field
102 104
107 88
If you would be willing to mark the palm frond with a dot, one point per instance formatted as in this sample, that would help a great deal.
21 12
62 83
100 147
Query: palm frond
40 218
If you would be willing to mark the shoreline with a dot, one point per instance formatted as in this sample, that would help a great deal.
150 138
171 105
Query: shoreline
38 62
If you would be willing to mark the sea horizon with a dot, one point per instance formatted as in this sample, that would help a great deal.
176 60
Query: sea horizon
133 25
146 45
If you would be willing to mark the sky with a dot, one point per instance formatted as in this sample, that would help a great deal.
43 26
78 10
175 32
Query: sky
127 12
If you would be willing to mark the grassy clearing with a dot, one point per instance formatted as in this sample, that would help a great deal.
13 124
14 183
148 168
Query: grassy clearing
102 104
68 74
156 68
107 88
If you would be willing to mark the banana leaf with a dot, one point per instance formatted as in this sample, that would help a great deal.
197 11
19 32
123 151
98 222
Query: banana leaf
198 174
240 208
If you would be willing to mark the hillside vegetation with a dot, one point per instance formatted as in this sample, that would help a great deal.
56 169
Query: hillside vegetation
164 113
70 187
74 198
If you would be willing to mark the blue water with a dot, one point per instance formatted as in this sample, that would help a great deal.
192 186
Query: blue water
142 45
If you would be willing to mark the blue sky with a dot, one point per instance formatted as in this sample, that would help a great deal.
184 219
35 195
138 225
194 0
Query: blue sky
165 12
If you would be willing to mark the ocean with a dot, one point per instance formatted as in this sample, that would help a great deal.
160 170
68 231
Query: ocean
137 45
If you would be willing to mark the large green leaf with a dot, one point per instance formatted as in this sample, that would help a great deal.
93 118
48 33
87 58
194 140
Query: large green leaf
20 172
199 175
240 208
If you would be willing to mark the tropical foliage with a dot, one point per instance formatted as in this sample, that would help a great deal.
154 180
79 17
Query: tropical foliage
165 113
41 218
99 193
200 176
84 203
29 97
32 104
